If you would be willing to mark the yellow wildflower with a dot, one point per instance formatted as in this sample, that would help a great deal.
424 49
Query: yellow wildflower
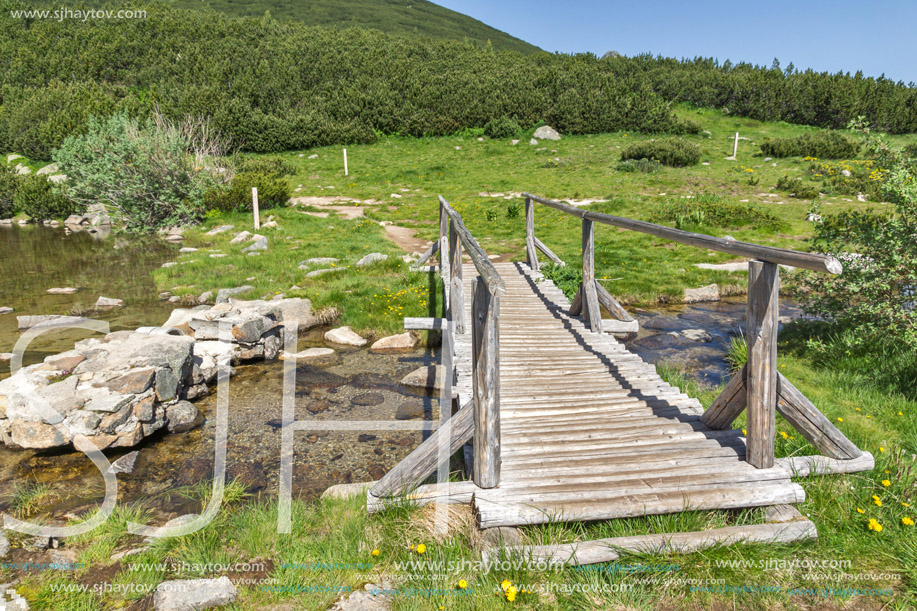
881 449
860 510
905 504
907 521
877 501
506 584
744 432
462 584
784 435
511 593
421 549
375 552
840 419
886 483
874 525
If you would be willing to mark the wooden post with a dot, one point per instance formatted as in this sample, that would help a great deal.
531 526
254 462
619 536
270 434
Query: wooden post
592 316
345 162
255 207
735 146
485 340
531 254
456 290
443 237
761 382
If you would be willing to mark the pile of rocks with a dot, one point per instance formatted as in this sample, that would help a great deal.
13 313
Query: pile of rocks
130 384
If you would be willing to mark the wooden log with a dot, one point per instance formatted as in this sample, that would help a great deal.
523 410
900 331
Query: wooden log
425 324
592 316
443 237
531 255
456 288
811 423
804 260
549 253
422 462
611 549
477 255
728 404
577 306
434 248
485 312
611 304
761 378
449 493
802 466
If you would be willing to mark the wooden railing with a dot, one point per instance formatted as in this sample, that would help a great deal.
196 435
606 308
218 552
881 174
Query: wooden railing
758 386
479 419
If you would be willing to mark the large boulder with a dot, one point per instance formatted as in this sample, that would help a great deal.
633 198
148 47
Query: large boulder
546 132
711 292
392 343
430 377
345 336
223 295
194 594
182 417
373 257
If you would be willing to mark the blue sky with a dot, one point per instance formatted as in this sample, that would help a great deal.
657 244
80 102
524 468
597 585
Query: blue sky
874 37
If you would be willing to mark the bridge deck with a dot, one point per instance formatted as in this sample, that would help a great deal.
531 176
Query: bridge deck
590 431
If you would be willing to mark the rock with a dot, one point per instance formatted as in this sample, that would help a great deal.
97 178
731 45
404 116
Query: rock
125 464
240 237
169 264
51 168
223 295
813 218
12 157
533 142
69 290
317 261
546 132
108 302
296 308
861 197
57 178
344 336
320 272
313 356
695 335
5 310
23 170
711 292
194 594
844 172
218 255
270 225
36 435
205 297
430 377
373 257
220 229
134 382
259 244
6 357
373 597
403 341
28 322
347 491
182 417
501 536
369 399
186 249
514 141
65 361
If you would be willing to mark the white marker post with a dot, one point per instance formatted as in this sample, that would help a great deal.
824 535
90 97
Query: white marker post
735 146
345 162
255 207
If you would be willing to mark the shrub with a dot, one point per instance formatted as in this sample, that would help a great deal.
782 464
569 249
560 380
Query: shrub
502 127
273 191
152 174
874 297
828 145
673 152
567 278
271 166
713 211
797 188
41 200
9 182
512 210
850 177
646 166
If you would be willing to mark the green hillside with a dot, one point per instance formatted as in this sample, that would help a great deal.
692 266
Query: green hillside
412 17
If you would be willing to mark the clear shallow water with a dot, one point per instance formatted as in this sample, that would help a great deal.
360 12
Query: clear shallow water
362 386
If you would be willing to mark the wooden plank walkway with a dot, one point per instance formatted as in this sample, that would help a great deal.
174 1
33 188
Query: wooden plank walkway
589 431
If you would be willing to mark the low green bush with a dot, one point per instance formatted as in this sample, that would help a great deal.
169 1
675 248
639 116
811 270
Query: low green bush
502 127
797 188
273 166
42 200
850 177
827 145
646 166
711 210
673 152
8 185
273 191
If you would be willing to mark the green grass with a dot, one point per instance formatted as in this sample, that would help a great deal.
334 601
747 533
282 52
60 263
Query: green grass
412 18
28 497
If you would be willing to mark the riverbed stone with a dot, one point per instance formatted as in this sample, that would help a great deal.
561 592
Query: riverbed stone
373 257
66 290
37 435
28 322
695 335
711 292
314 356
194 594
134 382
65 361
223 295
125 464
108 302
5 310
403 341
345 336
430 377
182 416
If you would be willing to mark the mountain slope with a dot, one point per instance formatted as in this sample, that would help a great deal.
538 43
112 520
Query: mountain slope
410 17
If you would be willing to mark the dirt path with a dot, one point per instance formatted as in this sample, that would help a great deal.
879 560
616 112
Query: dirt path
329 203
404 238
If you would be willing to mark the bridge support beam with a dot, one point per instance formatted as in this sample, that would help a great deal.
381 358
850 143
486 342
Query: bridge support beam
592 316
485 341
761 328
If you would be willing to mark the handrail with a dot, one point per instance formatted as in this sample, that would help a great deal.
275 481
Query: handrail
487 270
782 256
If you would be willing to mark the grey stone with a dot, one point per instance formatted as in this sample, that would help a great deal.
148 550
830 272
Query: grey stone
5 310
403 341
320 272
205 297
533 142
69 290
695 335
22 170
317 261
182 416
259 243
186 249
36 435
126 463
105 401
546 132
57 178
240 237
82 422
220 229
430 377
109 302
373 257
345 336
194 594
167 385
223 295
314 356
711 292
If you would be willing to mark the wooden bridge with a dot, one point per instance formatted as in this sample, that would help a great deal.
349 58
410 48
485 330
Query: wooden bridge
567 425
